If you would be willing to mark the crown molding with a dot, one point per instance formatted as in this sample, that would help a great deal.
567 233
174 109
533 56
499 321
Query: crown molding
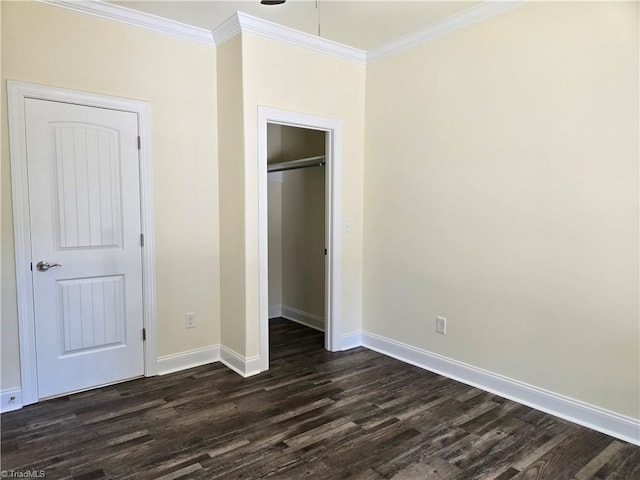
478 13
136 18
241 22
301 39
227 30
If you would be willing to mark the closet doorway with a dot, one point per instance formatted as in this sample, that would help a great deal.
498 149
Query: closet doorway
296 224
300 218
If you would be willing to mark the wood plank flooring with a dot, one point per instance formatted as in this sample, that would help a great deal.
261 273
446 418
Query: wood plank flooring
314 414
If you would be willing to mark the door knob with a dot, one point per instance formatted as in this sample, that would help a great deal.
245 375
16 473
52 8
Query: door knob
43 266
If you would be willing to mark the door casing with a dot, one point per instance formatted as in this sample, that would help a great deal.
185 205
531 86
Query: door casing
17 92
333 220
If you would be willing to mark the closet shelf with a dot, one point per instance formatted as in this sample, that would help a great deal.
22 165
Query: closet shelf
293 164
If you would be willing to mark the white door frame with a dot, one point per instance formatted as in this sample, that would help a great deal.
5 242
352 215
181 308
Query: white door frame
333 223
17 92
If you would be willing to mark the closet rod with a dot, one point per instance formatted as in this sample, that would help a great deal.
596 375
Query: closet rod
302 163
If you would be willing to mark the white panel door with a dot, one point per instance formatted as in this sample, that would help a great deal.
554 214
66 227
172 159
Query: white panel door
84 203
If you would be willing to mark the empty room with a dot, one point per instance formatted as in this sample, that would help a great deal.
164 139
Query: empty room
320 239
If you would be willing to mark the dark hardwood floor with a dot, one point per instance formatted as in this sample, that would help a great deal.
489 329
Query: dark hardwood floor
314 414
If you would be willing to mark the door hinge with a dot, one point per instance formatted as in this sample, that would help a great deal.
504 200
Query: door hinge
139 142
142 239
325 251
144 334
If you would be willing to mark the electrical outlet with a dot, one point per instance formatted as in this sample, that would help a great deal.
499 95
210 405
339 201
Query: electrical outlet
190 320
441 325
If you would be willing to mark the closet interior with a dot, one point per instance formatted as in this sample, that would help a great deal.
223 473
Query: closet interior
296 224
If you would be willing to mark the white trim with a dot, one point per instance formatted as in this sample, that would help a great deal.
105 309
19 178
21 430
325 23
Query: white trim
136 18
17 92
245 367
333 212
333 234
303 318
189 359
149 249
10 399
274 31
619 426
275 311
478 13
241 22
351 340
227 30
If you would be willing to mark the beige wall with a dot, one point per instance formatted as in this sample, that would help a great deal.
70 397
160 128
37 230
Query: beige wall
298 143
232 199
502 193
285 143
9 353
274 214
274 143
52 46
303 240
284 76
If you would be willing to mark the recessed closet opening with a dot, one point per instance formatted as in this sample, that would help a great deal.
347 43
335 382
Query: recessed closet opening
289 141
296 213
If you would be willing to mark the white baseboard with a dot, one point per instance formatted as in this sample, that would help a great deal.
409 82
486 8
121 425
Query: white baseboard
350 340
610 423
275 311
189 359
239 364
308 319
10 399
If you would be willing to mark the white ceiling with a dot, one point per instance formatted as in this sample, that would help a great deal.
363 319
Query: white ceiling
363 24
